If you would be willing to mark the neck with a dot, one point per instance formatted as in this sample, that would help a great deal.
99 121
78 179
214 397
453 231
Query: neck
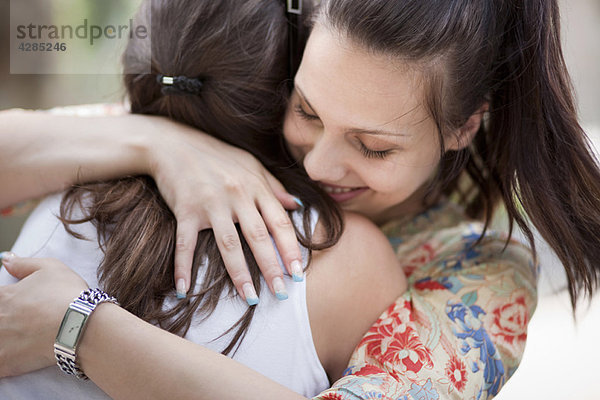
415 204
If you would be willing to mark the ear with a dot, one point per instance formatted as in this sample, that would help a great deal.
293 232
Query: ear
462 137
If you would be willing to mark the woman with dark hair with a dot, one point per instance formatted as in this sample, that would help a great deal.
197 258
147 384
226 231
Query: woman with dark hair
388 116
223 71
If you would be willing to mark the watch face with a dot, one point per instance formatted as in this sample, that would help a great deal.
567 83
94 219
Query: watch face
70 328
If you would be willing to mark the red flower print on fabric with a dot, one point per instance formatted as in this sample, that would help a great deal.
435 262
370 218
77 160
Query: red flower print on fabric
457 373
407 348
391 341
369 370
429 284
333 396
510 322
419 258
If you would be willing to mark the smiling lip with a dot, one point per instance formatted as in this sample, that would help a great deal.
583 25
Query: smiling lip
342 194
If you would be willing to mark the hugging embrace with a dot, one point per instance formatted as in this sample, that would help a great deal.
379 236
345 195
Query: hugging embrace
405 126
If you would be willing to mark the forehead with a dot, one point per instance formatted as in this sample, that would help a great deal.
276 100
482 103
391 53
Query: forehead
347 82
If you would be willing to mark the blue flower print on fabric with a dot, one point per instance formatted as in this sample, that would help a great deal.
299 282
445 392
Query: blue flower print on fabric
469 251
362 387
452 283
469 328
425 392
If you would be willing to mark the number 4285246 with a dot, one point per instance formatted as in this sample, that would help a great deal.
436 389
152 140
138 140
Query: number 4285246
25 46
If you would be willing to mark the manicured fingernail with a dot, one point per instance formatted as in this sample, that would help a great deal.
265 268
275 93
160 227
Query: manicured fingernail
279 288
181 292
6 257
297 273
298 201
250 294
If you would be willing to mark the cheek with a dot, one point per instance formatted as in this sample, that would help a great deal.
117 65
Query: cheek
389 181
292 134
419 163
403 175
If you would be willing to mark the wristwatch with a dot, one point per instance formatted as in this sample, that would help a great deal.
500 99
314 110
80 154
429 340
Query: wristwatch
72 328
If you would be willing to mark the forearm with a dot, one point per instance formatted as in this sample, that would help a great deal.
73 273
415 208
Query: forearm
43 153
130 359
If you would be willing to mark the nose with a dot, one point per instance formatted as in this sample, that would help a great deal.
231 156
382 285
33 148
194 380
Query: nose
325 160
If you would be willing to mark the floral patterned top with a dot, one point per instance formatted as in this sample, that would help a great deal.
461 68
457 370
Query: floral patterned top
459 331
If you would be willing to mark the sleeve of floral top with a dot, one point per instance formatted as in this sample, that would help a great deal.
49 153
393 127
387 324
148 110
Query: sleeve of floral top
460 330
88 110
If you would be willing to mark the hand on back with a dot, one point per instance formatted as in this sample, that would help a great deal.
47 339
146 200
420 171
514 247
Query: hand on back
210 184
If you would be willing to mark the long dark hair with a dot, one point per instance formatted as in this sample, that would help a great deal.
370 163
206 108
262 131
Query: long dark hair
233 54
531 154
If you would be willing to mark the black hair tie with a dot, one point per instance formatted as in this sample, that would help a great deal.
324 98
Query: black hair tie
295 25
180 85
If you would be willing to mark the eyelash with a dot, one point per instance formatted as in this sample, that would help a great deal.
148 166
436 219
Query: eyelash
366 152
303 114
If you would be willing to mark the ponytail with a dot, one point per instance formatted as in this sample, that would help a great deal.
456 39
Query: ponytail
545 165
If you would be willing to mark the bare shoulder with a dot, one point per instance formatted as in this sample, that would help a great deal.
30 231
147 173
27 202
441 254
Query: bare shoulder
348 287
363 251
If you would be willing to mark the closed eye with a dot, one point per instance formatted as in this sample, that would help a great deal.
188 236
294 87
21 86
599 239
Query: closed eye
368 153
303 114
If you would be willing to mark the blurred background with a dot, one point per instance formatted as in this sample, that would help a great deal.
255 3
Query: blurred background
46 91
560 360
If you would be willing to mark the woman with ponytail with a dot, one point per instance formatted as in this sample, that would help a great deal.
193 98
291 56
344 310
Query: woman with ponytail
120 235
426 117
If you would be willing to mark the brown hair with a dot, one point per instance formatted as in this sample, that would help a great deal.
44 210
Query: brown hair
237 49
531 154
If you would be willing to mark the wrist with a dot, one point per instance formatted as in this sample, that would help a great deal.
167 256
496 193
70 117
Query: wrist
73 327
152 141
140 140
165 139
99 326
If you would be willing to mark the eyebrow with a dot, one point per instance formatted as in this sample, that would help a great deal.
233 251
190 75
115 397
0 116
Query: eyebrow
376 132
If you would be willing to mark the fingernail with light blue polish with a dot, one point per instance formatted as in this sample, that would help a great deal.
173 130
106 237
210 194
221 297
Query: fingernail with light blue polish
298 201
250 294
6 257
279 288
181 291
281 296
297 273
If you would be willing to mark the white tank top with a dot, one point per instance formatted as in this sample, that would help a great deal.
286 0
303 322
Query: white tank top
278 343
